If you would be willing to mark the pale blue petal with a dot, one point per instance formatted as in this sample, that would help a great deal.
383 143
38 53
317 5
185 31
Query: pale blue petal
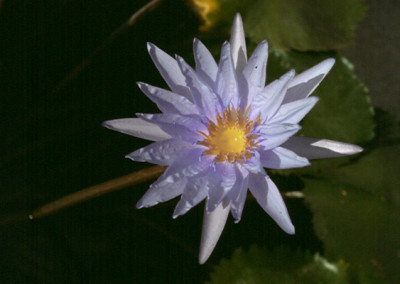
238 45
267 195
253 165
138 128
293 112
305 83
227 87
213 225
238 193
190 163
206 67
255 70
169 70
168 101
204 98
252 80
281 158
161 153
195 191
162 191
274 135
221 179
267 102
317 148
178 126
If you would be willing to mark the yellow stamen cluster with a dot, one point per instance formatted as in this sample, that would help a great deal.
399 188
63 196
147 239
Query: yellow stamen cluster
230 139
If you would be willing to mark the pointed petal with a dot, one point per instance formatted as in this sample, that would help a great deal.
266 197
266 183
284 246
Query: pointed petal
206 67
252 80
213 225
255 71
305 83
267 102
168 101
227 87
138 128
195 191
293 112
269 198
275 135
169 70
189 164
161 152
254 166
238 193
221 179
204 98
161 192
316 148
281 158
178 126
238 44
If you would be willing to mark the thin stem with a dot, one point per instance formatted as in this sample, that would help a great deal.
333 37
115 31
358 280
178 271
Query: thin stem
97 190
129 23
293 194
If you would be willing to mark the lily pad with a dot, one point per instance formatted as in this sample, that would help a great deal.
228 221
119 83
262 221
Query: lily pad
304 25
279 266
358 226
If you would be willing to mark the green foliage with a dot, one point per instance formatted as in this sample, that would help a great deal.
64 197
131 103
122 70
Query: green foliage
282 265
304 25
357 226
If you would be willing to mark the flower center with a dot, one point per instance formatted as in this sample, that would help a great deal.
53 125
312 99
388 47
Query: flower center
231 138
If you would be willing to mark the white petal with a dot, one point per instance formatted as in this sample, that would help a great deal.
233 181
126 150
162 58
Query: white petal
281 158
160 192
178 126
213 225
238 44
269 198
161 153
227 86
204 98
305 83
293 112
206 67
275 135
138 128
168 101
316 148
169 70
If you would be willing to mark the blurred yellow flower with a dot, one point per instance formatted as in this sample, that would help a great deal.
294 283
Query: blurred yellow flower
204 8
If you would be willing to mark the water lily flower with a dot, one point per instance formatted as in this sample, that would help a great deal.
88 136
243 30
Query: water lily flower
220 127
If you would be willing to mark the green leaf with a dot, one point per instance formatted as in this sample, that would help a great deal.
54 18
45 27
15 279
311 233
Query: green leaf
377 172
279 266
358 226
304 25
